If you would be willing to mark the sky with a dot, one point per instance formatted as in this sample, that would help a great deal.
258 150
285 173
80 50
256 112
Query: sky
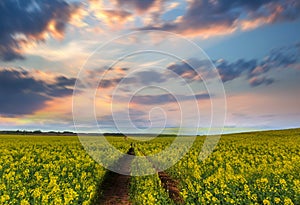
144 65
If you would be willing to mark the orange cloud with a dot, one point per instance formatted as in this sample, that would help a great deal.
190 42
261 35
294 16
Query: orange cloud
13 121
56 108
78 16
114 18
212 30
261 20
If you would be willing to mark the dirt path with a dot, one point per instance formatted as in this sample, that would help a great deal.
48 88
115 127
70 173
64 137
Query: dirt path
116 186
169 184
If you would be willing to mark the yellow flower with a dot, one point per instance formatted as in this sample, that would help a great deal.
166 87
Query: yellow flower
288 201
266 202
25 202
254 197
277 200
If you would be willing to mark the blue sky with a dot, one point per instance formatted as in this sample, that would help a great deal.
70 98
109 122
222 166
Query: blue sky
46 52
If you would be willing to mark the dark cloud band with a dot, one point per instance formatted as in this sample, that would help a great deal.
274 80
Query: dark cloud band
253 70
22 93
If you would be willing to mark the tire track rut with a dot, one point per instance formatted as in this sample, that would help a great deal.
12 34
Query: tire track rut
168 183
116 186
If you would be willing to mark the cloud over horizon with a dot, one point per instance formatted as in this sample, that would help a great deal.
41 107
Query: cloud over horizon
24 92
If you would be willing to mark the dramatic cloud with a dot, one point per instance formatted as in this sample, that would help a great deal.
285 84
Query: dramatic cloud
209 18
24 92
25 22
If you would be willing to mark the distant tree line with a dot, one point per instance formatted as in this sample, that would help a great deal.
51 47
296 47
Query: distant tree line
68 133
37 132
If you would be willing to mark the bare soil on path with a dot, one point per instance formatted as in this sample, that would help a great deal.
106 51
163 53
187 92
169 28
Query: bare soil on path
116 186
171 186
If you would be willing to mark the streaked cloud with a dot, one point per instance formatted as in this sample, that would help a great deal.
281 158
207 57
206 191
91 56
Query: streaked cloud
230 71
191 69
256 81
255 70
117 75
212 18
162 98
